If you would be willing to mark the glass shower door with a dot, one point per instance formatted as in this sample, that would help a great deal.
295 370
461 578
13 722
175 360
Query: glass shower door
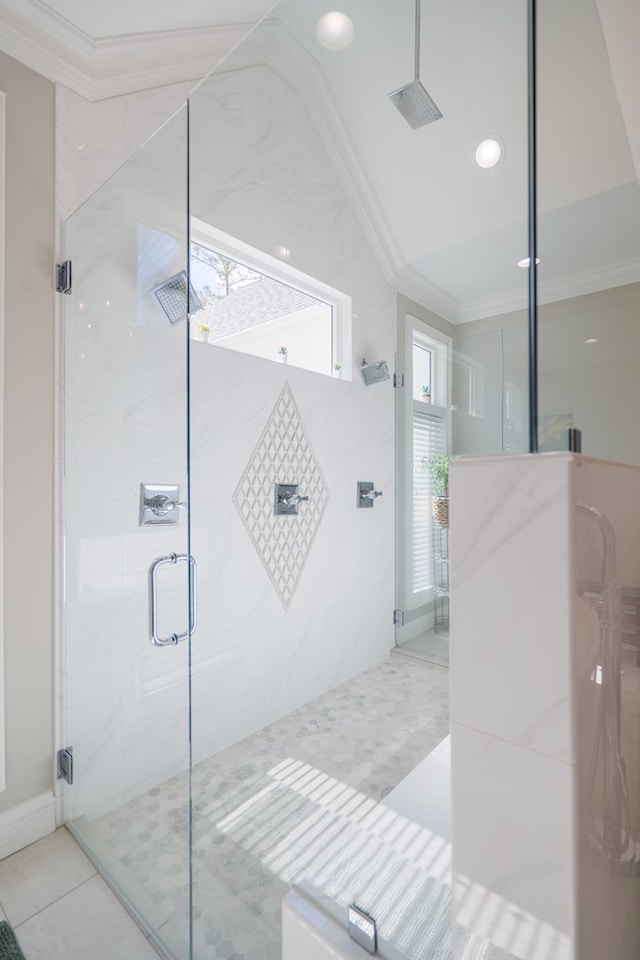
127 589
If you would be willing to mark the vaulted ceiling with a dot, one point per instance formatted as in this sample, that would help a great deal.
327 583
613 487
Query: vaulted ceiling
451 232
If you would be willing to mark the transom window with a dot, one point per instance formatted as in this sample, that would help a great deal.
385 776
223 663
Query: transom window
258 304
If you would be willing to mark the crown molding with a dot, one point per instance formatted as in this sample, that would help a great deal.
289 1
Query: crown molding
113 66
414 285
574 285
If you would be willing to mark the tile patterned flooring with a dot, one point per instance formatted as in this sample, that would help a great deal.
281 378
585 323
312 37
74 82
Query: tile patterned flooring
61 909
272 810
297 802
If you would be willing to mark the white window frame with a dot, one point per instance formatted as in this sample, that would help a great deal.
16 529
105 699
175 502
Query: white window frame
409 601
206 235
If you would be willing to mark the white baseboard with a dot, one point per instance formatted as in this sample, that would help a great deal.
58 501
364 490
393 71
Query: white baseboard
26 823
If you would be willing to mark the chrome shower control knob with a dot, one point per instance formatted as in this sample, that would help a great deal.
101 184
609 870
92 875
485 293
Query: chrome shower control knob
162 505
367 494
290 498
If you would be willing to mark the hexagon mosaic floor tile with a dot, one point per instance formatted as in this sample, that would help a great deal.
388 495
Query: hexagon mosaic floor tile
295 802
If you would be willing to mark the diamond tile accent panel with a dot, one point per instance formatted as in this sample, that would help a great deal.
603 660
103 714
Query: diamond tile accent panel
283 455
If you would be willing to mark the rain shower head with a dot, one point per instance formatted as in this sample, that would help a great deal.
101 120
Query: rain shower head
374 372
415 104
171 297
412 100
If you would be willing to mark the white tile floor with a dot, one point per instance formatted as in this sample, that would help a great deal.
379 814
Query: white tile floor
60 909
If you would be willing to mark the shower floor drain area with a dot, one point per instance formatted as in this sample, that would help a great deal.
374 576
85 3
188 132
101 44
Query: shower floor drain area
266 808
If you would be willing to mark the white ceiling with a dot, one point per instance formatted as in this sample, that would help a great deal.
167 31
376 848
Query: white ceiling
451 232
458 227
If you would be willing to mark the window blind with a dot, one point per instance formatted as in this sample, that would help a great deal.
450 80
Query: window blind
428 440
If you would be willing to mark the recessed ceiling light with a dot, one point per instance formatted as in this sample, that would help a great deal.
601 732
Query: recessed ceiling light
334 31
488 153
283 252
592 340
525 263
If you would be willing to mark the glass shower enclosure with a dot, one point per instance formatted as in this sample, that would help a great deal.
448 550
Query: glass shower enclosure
221 579
236 725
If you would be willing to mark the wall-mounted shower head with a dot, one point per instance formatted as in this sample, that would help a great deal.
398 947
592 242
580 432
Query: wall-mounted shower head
171 297
412 100
415 104
374 372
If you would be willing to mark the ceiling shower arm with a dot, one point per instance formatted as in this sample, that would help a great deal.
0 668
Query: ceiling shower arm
417 41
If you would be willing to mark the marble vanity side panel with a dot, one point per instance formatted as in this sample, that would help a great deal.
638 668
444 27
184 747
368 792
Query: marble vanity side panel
512 847
511 600
607 709
512 750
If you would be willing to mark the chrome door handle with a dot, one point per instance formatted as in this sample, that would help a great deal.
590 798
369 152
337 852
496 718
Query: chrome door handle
174 638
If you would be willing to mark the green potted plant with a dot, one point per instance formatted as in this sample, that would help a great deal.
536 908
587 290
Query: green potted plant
438 466
426 393
337 369
283 354
202 332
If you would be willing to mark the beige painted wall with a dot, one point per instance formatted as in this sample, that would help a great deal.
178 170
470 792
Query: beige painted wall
28 456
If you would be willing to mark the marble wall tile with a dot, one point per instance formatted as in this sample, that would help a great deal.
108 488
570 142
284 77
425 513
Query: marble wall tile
266 145
67 156
93 139
147 111
510 573
577 815
216 112
334 622
100 141
512 834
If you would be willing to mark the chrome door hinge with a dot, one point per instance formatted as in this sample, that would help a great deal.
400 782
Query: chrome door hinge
65 764
398 618
63 277
362 929
398 380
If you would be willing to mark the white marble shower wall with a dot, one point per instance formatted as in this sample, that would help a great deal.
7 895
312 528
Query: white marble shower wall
125 422
544 736
253 658
94 139
261 173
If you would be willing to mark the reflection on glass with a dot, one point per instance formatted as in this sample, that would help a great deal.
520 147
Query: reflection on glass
589 230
